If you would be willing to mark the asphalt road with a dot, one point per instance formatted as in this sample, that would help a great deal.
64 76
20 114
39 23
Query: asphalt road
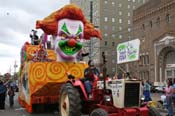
17 110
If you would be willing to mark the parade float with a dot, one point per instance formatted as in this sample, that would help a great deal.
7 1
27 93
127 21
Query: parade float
43 70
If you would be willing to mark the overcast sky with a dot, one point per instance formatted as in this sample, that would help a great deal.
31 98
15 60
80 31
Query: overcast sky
17 19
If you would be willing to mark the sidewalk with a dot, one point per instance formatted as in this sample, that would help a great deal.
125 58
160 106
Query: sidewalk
16 104
156 97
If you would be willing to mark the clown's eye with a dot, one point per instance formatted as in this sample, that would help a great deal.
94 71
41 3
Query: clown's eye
77 38
63 35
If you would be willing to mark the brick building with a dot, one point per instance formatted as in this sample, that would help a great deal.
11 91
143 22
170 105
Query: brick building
154 25
114 19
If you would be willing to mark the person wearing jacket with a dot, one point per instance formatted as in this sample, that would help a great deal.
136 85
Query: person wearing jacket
11 94
2 95
89 77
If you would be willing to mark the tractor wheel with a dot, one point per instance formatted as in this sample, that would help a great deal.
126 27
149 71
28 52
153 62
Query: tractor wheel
153 112
69 101
99 112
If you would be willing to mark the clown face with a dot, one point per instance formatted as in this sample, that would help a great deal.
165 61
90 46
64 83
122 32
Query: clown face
69 40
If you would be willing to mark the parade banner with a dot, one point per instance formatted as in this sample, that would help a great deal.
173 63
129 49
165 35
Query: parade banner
128 51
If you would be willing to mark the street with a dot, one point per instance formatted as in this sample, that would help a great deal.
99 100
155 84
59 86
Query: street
17 110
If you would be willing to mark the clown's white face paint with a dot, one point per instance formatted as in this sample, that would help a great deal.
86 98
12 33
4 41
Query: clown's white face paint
69 40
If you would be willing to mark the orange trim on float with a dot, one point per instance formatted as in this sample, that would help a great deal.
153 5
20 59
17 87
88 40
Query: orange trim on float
24 104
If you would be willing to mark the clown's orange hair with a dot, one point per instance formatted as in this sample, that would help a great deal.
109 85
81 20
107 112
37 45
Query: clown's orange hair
50 24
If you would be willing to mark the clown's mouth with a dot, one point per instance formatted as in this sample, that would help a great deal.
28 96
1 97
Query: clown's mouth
68 50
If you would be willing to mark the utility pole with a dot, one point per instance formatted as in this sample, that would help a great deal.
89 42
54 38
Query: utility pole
15 66
91 40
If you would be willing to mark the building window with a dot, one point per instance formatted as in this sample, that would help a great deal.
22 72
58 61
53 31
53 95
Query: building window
129 29
129 22
113 43
133 7
106 19
144 60
158 21
120 20
113 53
106 27
129 6
120 28
113 28
120 5
113 35
105 34
168 18
120 13
113 20
120 36
147 59
113 60
129 14
113 69
140 60
151 24
106 43
129 37
143 26
106 2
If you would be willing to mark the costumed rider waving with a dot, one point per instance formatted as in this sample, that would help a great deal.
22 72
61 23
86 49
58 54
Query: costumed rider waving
89 77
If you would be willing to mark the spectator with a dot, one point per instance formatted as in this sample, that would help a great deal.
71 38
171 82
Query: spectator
169 93
146 92
173 92
11 94
2 95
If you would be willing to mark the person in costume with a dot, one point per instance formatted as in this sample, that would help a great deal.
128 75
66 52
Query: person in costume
69 28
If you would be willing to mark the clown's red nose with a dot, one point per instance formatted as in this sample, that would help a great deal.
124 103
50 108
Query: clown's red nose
71 42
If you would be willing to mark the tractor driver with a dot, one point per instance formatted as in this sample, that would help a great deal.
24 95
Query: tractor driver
89 77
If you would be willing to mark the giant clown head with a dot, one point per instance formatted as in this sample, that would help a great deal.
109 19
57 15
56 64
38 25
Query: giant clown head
70 28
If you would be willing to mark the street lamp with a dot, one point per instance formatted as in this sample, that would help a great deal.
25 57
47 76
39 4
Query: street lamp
15 66
91 20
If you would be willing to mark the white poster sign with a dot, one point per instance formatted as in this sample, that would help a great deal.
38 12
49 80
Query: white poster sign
128 51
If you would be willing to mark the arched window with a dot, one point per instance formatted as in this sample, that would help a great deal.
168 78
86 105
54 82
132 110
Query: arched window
143 26
113 43
168 18
158 21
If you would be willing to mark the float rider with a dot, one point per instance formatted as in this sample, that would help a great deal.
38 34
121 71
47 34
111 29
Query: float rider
89 73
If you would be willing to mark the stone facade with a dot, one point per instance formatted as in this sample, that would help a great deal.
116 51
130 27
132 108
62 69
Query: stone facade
154 25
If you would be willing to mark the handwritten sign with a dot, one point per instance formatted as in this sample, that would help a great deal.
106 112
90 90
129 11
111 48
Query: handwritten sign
128 51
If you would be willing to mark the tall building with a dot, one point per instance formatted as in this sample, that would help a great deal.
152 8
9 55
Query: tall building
114 19
154 25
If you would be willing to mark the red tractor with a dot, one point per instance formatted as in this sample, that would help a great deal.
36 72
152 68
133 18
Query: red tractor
109 98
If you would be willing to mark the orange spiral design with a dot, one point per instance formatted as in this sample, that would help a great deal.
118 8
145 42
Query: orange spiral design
37 72
51 55
30 50
76 71
56 71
